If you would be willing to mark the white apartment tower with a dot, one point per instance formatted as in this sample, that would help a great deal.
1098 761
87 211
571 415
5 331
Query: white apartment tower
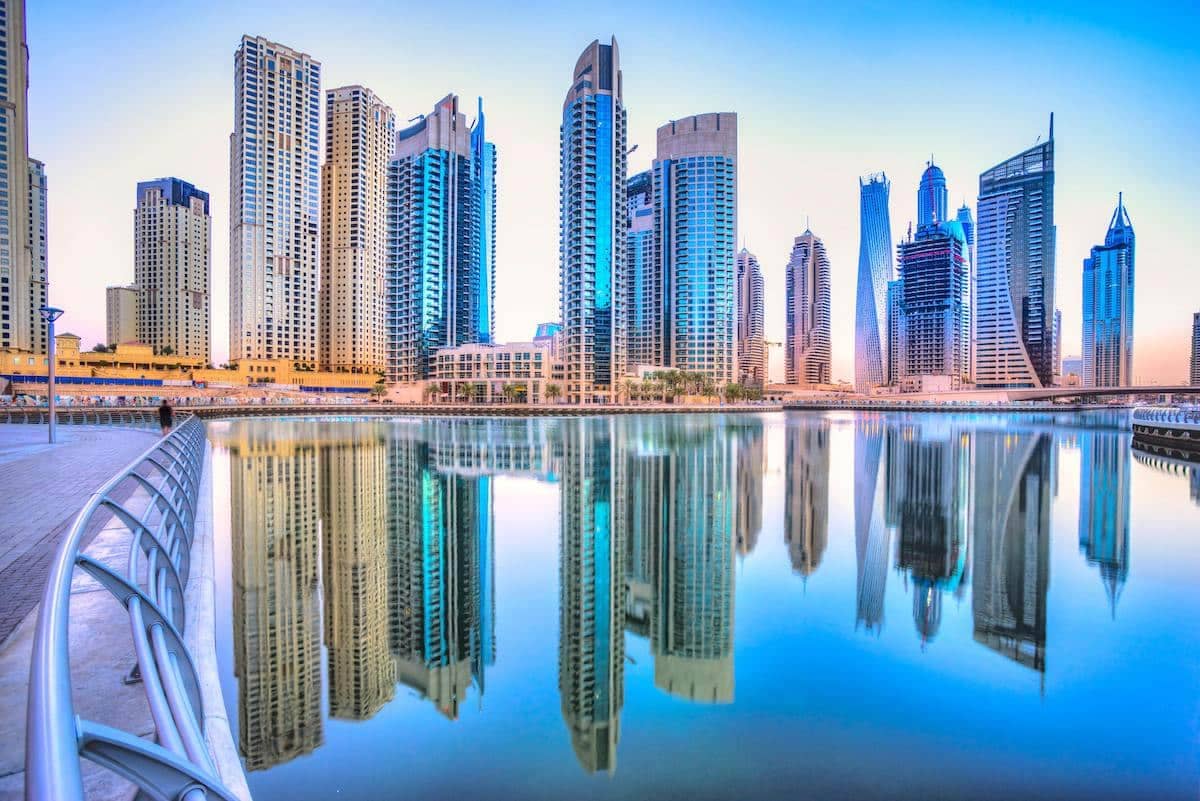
274 184
172 267
359 128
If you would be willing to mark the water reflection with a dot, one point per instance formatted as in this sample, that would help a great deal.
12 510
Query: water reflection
1173 462
376 540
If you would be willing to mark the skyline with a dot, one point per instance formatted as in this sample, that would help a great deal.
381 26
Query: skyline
816 178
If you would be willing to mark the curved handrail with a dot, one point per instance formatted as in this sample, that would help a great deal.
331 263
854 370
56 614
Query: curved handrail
155 499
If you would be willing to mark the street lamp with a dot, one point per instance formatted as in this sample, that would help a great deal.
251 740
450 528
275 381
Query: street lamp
50 314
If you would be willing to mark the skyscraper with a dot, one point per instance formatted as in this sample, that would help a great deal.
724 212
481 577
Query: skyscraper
645 304
809 323
440 227
1015 290
895 332
38 261
121 309
274 203
1104 492
751 328
21 293
932 198
359 132
1195 366
695 232
874 273
592 167
172 266
935 303
1108 282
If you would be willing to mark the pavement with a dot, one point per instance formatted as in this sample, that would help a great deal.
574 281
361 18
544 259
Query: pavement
44 487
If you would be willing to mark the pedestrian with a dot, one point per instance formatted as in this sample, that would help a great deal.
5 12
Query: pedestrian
166 417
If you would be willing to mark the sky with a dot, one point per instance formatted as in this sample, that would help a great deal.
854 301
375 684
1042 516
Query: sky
125 90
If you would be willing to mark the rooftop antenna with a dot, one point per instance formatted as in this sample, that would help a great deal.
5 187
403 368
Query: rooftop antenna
1051 126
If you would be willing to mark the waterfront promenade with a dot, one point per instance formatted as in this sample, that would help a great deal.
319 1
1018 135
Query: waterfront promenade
44 487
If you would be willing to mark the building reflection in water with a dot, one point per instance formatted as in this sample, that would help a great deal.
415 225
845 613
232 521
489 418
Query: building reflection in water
751 463
276 549
928 504
806 491
1168 461
1104 465
592 543
1013 477
872 537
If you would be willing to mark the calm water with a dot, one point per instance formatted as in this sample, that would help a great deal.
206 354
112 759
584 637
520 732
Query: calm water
705 607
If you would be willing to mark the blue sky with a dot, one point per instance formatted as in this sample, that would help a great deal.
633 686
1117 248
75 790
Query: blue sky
124 91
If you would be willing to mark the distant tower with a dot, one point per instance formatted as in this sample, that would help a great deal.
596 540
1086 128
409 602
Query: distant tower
1195 371
1108 283
932 198
751 332
874 272
645 286
592 210
1015 290
809 323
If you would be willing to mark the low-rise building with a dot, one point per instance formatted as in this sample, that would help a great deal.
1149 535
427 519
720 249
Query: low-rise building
481 373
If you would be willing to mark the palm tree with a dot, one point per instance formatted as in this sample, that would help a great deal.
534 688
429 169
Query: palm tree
378 389
553 392
510 393
627 386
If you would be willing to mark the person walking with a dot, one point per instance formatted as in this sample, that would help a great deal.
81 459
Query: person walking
166 417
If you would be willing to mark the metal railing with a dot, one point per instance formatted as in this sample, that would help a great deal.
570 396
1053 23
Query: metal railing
146 417
154 500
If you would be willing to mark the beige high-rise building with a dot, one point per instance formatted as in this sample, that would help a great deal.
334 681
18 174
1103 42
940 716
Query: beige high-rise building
20 294
359 128
809 315
274 203
121 306
172 267
751 329
39 272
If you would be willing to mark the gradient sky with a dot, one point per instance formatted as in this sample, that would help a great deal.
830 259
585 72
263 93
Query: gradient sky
125 90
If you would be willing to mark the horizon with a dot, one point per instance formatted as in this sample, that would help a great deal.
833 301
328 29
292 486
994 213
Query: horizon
799 162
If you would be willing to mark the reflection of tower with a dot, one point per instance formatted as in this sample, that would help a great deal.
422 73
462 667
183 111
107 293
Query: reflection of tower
362 675
872 538
591 645
692 624
928 501
645 508
1012 544
1104 507
751 455
277 591
806 494
441 575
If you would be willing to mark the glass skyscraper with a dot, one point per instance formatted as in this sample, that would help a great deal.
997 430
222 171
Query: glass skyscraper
441 223
1108 281
274 210
874 272
751 328
695 231
592 204
809 321
1014 335
644 285
932 198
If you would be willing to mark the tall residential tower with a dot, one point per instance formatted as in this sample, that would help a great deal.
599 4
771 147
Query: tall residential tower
359 128
809 323
172 267
1014 332
1108 280
644 285
274 193
441 227
751 329
874 272
592 167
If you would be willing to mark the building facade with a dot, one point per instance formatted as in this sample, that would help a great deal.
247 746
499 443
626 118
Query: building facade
1194 377
274 212
482 373
172 267
644 287
751 326
809 322
19 315
1014 333
1108 284
936 306
359 129
440 238
38 261
592 175
695 232
874 272
121 310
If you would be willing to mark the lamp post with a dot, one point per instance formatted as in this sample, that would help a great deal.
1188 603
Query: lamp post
50 314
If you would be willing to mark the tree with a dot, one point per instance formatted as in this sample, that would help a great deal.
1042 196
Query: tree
510 392
430 391
733 393
627 388
553 392
166 350
378 389
99 348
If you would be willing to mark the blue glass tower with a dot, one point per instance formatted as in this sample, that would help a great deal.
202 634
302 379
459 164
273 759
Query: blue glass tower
1108 283
441 222
874 272
645 286
592 167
